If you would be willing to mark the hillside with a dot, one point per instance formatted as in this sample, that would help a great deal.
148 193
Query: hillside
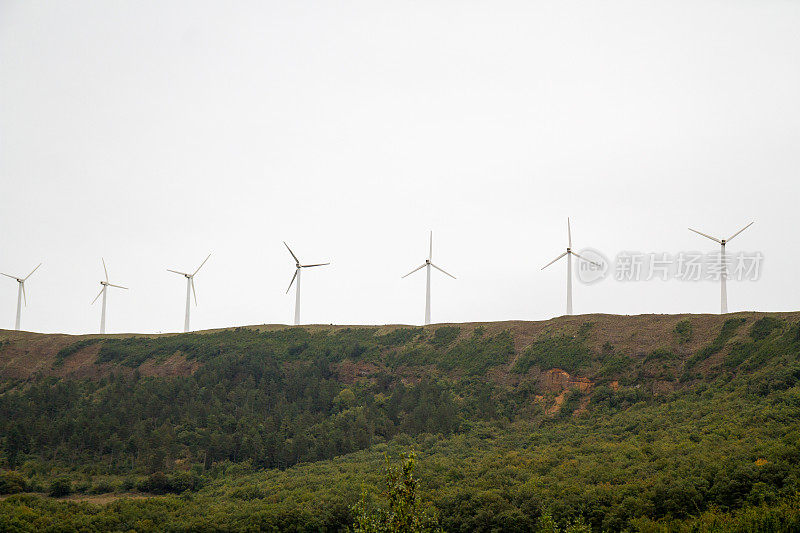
24 354
612 422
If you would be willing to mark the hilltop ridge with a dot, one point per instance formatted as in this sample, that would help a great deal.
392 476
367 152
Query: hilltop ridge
579 343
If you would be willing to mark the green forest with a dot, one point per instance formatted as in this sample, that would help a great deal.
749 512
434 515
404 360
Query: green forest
596 423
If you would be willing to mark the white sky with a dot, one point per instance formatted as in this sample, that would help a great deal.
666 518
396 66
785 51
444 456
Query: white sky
152 133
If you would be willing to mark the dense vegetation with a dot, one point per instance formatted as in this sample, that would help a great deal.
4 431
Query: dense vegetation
288 430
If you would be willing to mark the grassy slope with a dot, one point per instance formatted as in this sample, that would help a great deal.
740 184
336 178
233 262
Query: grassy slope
597 455
25 354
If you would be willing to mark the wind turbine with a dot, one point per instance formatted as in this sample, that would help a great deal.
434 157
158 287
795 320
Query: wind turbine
189 287
569 253
106 284
21 293
427 265
298 266
724 266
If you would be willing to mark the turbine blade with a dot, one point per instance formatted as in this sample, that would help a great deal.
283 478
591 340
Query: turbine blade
314 265
554 260
421 266
587 260
104 267
741 230
291 252
181 273
201 265
291 282
117 286
442 270
24 296
98 295
191 282
37 267
430 248
10 276
706 236
569 233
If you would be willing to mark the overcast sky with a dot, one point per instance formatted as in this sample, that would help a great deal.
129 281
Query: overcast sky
153 133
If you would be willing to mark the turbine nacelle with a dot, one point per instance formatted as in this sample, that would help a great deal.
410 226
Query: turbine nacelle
105 285
296 276
428 264
568 254
189 285
722 243
298 266
22 280
21 283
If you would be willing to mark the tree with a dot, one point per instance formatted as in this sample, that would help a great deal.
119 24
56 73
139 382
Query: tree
404 513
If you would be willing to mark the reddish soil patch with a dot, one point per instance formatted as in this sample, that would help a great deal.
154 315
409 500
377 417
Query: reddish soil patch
557 380
556 407
175 365
351 371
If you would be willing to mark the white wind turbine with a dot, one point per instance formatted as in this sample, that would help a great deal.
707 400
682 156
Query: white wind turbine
296 276
21 293
427 265
569 253
723 266
189 288
106 284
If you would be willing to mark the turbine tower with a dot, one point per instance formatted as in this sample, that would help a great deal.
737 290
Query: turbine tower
427 265
296 276
189 288
723 296
21 293
569 253
106 284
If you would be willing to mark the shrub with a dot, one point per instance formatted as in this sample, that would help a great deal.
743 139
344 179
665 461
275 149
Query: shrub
156 483
683 331
571 403
72 349
12 482
102 487
660 354
445 336
59 487
160 483
555 351
479 353
763 327
399 336
615 364
728 331
739 352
